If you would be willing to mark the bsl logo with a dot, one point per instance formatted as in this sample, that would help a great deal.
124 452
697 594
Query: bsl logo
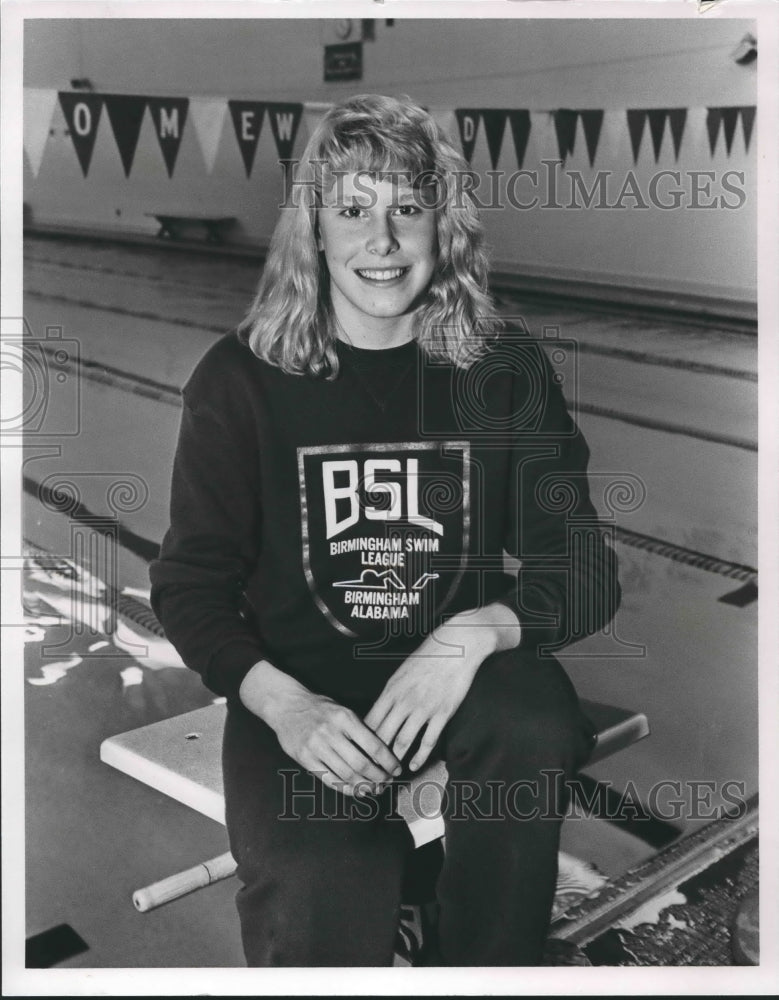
344 497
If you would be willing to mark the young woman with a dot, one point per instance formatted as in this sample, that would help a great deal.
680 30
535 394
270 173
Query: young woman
351 466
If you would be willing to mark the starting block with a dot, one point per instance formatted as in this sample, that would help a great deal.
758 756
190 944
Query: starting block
181 757
170 224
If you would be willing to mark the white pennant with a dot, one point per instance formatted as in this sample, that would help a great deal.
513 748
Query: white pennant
38 110
542 141
445 119
313 114
695 144
614 151
208 114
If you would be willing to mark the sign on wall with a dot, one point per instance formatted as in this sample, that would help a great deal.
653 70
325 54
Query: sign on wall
343 62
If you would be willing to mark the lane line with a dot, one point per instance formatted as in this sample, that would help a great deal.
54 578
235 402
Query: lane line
62 502
661 425
122 311
117 378
142 386
683 364
620 353
123 273
681 554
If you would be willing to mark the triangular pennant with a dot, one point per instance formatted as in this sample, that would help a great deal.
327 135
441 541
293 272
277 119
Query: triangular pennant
636 124
284 121
468 123
520 130
494 127
38 111
169 115
565 127
247 122
82 114
313 114
713 119
592 122
613 142
541 142
657 117
747 122
207 116
125 112
729 121
445 120
677 119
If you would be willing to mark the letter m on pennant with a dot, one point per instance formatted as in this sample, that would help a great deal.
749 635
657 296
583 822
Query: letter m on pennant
169 115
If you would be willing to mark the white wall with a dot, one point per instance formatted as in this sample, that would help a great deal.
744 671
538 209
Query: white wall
533 64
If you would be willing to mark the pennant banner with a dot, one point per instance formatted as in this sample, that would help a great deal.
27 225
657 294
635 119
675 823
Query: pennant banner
445 120
494 127
592 122
657 117
726 119
548 132
636 125
169 115
313 115
208 115
729 120
713 121
247 121
468 123
747 123
677 119
565 127
82 114
542 143
564 120
284 121
520 131
38 111
125 113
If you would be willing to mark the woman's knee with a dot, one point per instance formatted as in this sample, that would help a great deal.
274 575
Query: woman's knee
524 707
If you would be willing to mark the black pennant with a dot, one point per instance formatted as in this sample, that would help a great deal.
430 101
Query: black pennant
592 122
748 121
729 121
713 119
125 113
169 115
468 122
657 118
520 130
494 127
565 126
82 114
677 119
284 121
247 121
636 124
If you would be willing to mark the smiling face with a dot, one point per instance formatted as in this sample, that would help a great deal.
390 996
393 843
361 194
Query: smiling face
380 244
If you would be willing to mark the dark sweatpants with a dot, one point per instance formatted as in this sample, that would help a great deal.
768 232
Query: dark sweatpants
322 887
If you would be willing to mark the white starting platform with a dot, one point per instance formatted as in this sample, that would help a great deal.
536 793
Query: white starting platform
182 758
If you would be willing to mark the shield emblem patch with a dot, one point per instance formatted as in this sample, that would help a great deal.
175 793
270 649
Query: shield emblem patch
385 533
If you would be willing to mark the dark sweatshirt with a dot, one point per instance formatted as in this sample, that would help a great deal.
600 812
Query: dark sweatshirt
328 526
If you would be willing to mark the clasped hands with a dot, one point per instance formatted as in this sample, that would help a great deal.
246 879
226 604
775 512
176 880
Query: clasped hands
360 756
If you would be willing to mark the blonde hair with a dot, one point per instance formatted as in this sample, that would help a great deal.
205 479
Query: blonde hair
291 323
